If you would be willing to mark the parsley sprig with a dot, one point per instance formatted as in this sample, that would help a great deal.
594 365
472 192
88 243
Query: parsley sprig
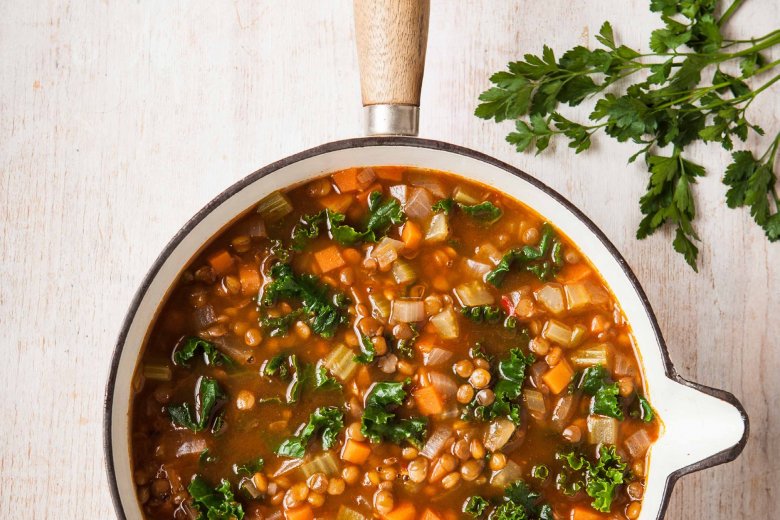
668 103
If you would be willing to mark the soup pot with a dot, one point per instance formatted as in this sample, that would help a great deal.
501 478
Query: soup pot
702 426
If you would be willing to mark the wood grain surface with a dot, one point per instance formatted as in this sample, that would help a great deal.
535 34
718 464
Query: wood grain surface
119 120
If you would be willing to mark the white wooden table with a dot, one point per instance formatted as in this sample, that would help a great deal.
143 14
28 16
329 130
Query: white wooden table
119 120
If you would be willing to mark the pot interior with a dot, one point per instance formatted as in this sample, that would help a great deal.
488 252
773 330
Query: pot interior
696 425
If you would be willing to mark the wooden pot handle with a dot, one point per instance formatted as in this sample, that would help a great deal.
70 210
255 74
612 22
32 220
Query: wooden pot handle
391 39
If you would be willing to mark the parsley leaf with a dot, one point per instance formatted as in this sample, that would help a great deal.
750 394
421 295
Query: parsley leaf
324 314
214 504
328 420
379 421
191 346
209 398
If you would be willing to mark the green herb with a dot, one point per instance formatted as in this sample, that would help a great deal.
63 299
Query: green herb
644 411
214 504
324 381
522 504
249 468
278 365
507 388
600 480
307 228
298 380
476 506
444 206
596 382
540 472
328 420
324 314
483 313
209 397
279 326
543 261
671 107
367 351
190 348
380 422
485 212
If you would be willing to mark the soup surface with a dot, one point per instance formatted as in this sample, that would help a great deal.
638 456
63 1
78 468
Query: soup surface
390 343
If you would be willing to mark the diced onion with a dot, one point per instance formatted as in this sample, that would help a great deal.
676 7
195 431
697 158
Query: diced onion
562 412
426 180
341 362
464 195
403 272
536 372
509 474
489 252
436 442
623 366
534 400
257 228
498 434
274 206
637 443
406 310
602 429
477 268
365 177
386 252
436 356
400 192
577 296
346 513
474 293
444 385
240 352
438 229
446 323
419 204
551 296
591 355
323 463
557 332
191 447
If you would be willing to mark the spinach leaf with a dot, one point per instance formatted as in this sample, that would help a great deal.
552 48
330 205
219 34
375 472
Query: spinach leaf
190 347
209 397
367 351
214 504
476 506
379 422
328 420
324 314
485 212
543 261
249 468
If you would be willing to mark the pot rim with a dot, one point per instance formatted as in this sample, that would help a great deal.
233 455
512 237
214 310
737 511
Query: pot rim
719 458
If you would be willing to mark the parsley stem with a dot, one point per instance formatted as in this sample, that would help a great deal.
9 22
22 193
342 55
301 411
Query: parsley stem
729 12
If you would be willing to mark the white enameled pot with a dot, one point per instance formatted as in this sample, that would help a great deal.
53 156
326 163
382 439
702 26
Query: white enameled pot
702 427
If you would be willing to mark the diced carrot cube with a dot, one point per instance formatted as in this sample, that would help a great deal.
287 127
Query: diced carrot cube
303 512
411 235
575 273
430 515
585 513
405 511
363 197
390 173
355 452
221 262
337 202
558 377
363 377
346 180
250 280
329 258
428 400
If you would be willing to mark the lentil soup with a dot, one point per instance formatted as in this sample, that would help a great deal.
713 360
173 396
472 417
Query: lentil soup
395 343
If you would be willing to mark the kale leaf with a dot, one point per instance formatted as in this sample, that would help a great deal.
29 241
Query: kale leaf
543 261
324 381
379 421
485 212
596 382
476 506
483 313
328 420
209 397
249 468
190 347
443 206
367 351
601 479
214 504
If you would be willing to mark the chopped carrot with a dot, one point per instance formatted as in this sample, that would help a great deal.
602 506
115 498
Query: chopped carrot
355 452
346 180
405 511
575 273
250 280
411 235
390 173
429 515
428 400
221 261
558 377
584 513
303 512
337 202
363 377
329 258
363 197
